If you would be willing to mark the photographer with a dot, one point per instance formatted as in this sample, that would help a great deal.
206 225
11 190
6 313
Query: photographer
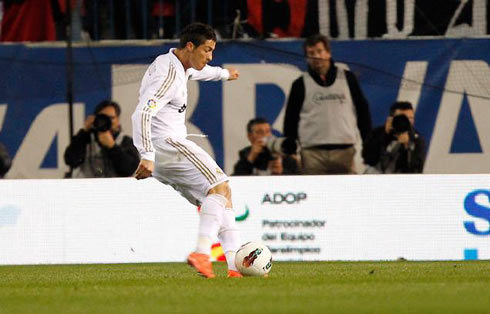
395 147
100 149
267 155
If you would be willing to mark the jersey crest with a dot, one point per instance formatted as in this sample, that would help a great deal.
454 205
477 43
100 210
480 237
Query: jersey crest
152 104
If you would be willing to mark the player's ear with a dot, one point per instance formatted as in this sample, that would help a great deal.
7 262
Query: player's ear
189 46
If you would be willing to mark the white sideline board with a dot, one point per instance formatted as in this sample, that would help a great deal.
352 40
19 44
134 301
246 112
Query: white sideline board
350 217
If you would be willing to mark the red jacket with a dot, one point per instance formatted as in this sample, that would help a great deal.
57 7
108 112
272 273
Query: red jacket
28 20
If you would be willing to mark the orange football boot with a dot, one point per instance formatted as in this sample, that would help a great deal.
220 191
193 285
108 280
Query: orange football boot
234 273
202 264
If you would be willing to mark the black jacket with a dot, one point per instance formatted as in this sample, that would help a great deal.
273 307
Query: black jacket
244 168
379 149
122 159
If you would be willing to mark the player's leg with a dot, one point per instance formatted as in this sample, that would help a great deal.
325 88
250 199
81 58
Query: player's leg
194 173
229 235
210 221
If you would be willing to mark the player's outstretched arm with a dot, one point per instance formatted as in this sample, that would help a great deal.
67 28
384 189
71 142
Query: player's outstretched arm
145 169
213 73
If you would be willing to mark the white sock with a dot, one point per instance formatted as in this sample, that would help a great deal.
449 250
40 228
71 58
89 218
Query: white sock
230 260
229 237
210 220
204 244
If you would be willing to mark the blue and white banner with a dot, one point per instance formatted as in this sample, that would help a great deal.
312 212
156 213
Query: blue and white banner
447 80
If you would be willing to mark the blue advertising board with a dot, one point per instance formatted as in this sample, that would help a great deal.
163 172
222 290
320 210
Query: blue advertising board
447 80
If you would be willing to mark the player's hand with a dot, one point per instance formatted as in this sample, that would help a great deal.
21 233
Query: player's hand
145 169
234 74
106 139
89 123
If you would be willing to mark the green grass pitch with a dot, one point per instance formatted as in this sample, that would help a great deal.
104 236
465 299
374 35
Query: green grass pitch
296 287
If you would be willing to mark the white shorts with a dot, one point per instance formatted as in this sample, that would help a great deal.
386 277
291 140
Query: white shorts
186 167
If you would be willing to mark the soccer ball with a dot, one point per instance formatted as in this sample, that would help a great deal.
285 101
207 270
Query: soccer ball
253 259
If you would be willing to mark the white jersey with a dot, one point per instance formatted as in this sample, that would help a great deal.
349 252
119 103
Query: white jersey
160 113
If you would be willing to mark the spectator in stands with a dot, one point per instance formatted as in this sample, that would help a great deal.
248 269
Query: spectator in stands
281 18
28 20
100 149
5 161
325 111
133 19
163 15
395 147
257 159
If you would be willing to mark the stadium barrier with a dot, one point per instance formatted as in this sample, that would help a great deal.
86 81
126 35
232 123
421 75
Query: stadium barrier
369 217
446 80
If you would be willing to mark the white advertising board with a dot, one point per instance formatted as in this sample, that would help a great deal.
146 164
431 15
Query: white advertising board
416 217
358 217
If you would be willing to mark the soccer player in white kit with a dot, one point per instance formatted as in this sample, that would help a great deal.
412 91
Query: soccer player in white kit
159 134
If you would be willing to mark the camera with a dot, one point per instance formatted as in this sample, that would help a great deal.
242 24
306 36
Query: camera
281 145
400 124
102 123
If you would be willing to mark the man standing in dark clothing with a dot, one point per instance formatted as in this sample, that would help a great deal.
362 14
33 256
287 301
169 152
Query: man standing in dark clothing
257 159
100 149
395 147
325 111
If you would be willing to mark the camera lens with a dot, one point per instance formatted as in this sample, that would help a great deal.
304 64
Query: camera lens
281 145
400 124
102 123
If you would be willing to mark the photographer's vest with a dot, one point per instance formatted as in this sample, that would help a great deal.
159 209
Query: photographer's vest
328 115
97 163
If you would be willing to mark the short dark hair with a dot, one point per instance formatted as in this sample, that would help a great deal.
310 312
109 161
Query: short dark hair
400 105
108 103
258 120
315 39
196 33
